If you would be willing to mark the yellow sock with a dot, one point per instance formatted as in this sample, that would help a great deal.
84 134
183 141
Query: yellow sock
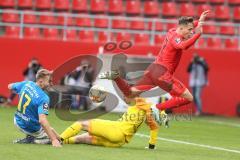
71 131
70 140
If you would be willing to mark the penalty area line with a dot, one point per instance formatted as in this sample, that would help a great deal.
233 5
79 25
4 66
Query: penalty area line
192 144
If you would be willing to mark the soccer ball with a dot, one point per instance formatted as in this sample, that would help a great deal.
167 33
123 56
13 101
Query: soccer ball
97 94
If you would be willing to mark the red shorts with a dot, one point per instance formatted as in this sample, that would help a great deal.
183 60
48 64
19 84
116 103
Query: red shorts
158 75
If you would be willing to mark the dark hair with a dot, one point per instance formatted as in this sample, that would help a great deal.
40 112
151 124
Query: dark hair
185 20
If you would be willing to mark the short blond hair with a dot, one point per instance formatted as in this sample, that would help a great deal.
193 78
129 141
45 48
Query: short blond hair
42 73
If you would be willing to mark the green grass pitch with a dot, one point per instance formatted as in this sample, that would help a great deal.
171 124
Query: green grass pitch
220 132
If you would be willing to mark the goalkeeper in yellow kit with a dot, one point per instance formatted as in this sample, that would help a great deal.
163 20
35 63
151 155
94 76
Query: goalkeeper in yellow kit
116 133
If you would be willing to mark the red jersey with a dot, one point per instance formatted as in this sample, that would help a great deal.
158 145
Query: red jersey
172 48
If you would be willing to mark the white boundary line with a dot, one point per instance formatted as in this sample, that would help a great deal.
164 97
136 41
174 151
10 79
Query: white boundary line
222 123
193 144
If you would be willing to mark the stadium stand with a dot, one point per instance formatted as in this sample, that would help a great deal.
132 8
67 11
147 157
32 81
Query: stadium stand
140 21
32 33
25 4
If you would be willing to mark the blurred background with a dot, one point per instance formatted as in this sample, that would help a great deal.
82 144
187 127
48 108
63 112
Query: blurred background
47 33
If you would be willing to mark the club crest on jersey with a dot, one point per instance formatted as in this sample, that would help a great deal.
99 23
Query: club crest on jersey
178 40
45 107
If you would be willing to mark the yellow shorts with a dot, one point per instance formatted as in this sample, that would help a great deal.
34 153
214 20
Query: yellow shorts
106 132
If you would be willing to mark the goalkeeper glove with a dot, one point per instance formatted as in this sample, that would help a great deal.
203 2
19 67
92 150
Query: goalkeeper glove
150 146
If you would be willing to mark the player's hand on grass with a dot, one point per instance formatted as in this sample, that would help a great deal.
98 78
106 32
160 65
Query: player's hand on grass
56 143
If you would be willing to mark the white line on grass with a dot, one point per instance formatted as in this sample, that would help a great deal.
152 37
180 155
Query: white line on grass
223 123
193 144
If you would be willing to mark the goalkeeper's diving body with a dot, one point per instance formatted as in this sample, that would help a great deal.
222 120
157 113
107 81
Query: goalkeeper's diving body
116 133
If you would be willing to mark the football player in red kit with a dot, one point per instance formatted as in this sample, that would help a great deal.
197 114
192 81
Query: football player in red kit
161 72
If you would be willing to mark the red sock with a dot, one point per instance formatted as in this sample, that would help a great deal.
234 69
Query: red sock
173 103
123 86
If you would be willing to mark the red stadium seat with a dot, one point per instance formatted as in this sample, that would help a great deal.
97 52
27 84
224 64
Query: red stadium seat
119 24
159 39
29 17
47 18
32 33
61 19
101 22
158 26
227 28
10 17
7 3
71 35
137 25
12 31
214 43
86 36
50 33
200 43
231 43
83 22
25 4
44 4
151 8
141 39
123 36
217 1
170 26
133 7
103 37
234 2
200 1
98 6
210 28
115 6
181 1
222 12
61 5
204 7
236 13
169 9
79 6
187 9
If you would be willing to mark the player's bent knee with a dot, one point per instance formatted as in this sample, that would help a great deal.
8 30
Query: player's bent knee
85 125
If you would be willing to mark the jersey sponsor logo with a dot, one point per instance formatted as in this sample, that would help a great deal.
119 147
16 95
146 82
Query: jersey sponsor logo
25 118
45 107
178 40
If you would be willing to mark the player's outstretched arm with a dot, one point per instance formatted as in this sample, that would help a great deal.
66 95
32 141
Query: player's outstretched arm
180 44
10 86
48 129
203 16
16 87
201 21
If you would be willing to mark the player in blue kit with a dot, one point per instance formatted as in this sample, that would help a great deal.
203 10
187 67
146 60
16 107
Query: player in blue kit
32 111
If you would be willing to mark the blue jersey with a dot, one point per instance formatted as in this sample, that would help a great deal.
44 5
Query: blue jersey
33 101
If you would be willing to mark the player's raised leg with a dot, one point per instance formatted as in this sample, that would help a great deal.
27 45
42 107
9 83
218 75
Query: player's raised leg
121 83
142 85
180 95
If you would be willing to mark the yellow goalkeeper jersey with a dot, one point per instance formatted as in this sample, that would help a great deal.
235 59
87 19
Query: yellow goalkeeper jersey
135 116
